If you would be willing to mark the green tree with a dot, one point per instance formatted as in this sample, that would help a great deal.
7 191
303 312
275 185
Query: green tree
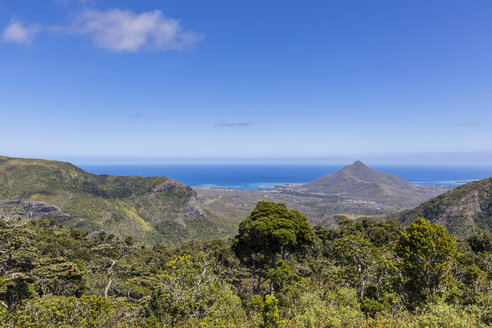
16 288
270 313
189 289
282 275
272 230
426 252
481 242
57 276
113 251
358 256
63 312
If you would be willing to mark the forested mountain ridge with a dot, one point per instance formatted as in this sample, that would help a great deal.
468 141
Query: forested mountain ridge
150 209
463 210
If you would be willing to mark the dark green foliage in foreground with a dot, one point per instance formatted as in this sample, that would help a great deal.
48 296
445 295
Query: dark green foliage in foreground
271 230
364 273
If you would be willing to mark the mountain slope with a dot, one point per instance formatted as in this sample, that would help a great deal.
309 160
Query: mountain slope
359 182
151 209
462 210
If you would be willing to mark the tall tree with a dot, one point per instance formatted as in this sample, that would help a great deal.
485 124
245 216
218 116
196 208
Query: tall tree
358 256
270 232
426 252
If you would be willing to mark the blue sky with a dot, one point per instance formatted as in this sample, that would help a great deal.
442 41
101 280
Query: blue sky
146 81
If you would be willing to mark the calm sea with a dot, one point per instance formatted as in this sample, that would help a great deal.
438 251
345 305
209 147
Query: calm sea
267 176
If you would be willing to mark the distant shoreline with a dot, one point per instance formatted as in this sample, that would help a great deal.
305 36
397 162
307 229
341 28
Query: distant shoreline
268 176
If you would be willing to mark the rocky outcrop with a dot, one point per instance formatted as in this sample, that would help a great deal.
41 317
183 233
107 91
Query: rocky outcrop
10 202
31 209
191 211
168 185
39 207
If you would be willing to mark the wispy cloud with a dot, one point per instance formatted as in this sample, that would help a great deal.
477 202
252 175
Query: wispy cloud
223 124
482 94
120 30
16 32
468 124
67 3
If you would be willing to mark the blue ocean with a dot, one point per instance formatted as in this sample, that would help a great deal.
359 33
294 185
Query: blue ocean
269 175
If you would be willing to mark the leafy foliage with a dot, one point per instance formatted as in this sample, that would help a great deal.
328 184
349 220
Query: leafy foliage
364 273
271 230
427 252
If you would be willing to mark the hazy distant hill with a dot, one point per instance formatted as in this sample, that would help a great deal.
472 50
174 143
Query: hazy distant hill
462 210
359 182
151 209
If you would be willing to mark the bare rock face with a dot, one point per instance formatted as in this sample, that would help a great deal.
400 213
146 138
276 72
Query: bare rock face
32 209
191 211
10 202
168 185
39 207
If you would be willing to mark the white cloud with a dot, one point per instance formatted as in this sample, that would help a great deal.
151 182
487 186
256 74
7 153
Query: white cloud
119 30
18 33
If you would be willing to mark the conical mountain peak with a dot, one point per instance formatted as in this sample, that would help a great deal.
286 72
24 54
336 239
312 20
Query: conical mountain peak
358 163
357 180
357 168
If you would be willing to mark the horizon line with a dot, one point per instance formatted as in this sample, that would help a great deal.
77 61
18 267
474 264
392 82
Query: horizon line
477 158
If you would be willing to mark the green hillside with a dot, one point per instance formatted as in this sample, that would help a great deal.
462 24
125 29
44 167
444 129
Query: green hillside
151 209
462 210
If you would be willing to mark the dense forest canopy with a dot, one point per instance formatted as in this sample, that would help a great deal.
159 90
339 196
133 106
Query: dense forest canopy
278 271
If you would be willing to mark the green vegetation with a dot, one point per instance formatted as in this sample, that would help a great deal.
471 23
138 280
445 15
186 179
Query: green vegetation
277 272
426 252
150 209
271 230
464 210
